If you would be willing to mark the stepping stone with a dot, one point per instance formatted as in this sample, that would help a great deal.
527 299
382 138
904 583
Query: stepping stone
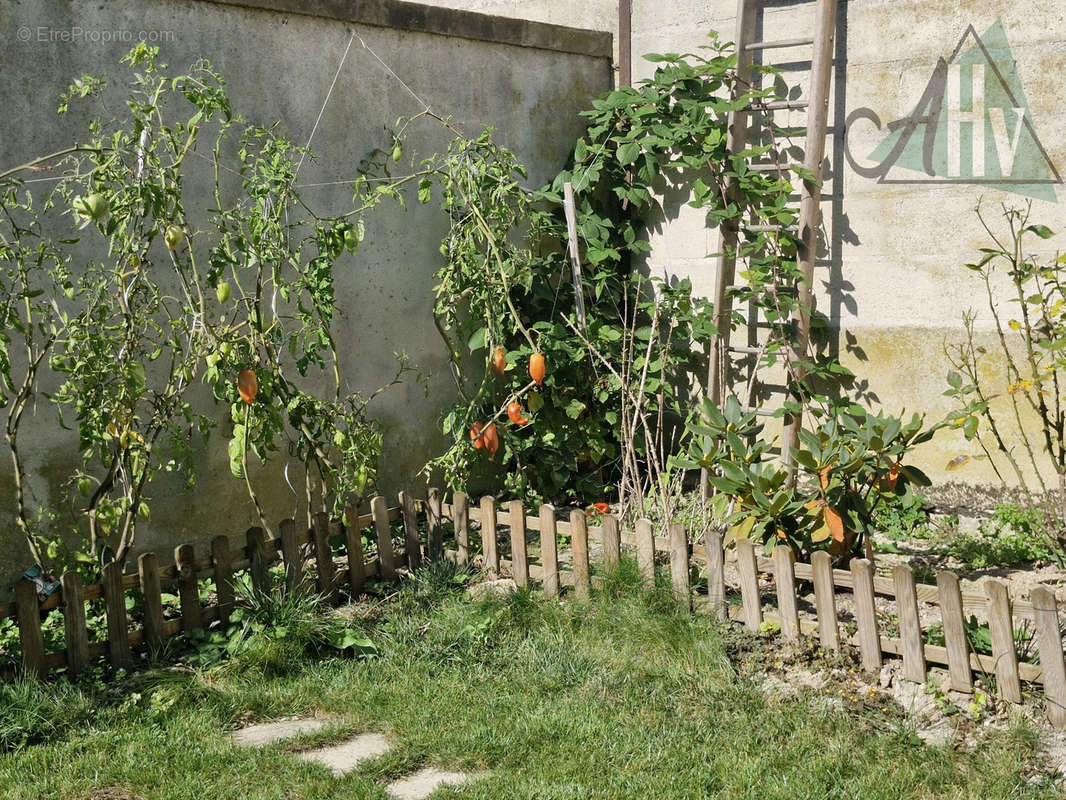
423 783
344 756
270 732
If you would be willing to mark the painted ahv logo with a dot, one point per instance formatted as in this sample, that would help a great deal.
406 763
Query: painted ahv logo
971 126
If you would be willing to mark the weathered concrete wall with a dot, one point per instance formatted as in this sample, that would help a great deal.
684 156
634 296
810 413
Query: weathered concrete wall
279 58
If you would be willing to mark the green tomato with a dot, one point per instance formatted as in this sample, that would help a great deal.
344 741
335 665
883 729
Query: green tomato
225 348
397 151
91 208
223 291
212 359
173 236
360 480
85 486
340 438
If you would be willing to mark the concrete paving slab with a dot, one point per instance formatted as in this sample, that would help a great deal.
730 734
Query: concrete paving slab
270 732
345 756
423 783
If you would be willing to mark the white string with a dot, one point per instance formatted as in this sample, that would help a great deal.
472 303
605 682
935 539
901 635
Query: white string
325 102
410 91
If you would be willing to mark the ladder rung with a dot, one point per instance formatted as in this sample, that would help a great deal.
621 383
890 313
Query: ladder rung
772 228
758 411
779 43
750 351
770 167
777 105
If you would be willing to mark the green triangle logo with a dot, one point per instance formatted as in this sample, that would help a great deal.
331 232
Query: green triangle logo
971 126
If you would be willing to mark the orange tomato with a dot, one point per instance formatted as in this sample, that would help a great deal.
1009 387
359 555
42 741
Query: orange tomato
499 360
475 436
600 508
492 440
514 413
247 385
537 368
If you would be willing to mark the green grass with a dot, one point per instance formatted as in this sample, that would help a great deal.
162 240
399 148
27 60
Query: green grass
623 697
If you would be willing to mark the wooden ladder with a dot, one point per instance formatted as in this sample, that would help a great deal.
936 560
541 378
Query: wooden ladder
817 106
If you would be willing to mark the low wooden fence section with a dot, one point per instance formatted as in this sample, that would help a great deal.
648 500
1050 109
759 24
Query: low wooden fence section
742 592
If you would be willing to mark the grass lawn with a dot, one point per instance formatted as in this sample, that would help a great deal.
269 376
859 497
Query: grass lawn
623 697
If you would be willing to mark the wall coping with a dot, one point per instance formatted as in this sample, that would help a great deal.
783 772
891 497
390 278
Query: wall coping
401 15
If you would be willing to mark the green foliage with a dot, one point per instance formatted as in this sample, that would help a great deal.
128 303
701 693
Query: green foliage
1031 344
849 467
1014 536
905 519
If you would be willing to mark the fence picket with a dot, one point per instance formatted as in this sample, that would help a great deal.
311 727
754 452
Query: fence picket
519 552
29 620
549 551
379 509
75 631
353 544
862 573
411 544
825 600
258 559
646 552
612 542
785 578
579 548
679 563
749 585
118 635
220 556
188 590
434 524
716 574
1001 630
151 593
489 549
955 640
910 626
291 554
323 552
1049 641
461 523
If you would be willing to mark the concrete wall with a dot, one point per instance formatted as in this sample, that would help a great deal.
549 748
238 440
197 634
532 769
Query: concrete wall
528 80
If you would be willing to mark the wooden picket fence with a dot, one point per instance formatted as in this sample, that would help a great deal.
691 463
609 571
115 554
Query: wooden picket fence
748 599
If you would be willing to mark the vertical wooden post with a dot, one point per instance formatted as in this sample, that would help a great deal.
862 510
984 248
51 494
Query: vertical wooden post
1001 630
579 548
291 554
612 542
461 523
549 551
76 634
570 213
411 544
910 627
489 549
353 543
950 599
646 552
1049 641
749 585
151 592
862 575
785 577
323 552
28 614
716 574
188 589
258 559
679 563
220 556
825 600
386 558
434 525
519 552
118 635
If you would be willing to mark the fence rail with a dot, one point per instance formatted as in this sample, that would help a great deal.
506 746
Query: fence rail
740 586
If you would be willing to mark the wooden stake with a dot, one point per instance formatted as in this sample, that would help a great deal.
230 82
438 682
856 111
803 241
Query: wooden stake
716 575
950 600
862 575
188 589
291 554
646 552
1001 630
612 542
579 548
461 523
1049 640
434 524
749 585
258 559
151 592
29 621
490 550
825 600
910 627
569 209
386 557
220 556
353 542
549 551
323 552
412 545
519 556
118 636
785 577
679 564
77 634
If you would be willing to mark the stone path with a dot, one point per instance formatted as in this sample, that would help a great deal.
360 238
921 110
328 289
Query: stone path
342 757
